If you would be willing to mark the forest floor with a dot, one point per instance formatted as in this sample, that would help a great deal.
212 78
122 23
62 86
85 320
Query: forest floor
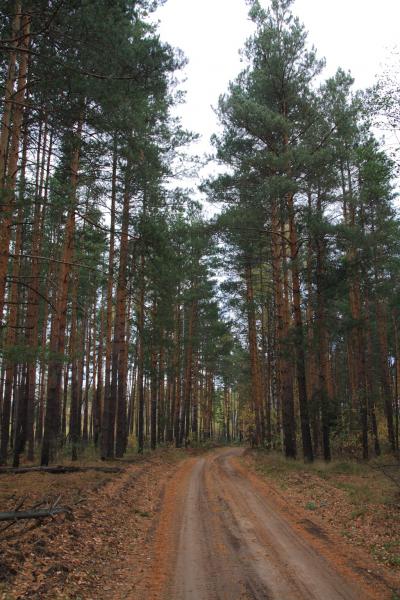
99 552
225 524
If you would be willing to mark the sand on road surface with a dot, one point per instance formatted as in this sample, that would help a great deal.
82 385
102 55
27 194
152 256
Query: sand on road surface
221 536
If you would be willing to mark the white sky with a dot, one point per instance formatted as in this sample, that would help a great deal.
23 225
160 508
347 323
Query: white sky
353 34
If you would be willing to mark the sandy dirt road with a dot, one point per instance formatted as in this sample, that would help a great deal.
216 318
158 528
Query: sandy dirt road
222 537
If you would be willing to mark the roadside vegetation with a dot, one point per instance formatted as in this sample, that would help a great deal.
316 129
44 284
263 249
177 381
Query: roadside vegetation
358 500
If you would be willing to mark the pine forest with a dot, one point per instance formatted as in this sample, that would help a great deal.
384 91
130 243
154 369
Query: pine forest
147 311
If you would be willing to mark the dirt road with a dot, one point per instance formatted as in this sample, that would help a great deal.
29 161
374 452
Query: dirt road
221 537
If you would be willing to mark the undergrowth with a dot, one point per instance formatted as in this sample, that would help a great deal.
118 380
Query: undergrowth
356 498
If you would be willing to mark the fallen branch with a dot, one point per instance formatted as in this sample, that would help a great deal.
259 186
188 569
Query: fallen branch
58 469
33 514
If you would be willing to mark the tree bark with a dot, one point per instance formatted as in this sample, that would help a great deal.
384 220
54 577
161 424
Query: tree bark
8 189
299 337
254 355
381 320
106 421
140 335
9 92
284 375
120 351
57 337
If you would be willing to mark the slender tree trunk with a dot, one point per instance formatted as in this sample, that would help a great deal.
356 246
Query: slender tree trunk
356 338
325 377
381 319
171 393
299 337
254 355
195 398
85 430
9 362
188 381
8 189
9 91
2 379
140 332
32 316
40 412
284 375
311 364
371 378
161 393
97 396
153 399
74 406
19 399
20 404
106 421
65 401
177 385
397 376
120 350
266 425
57 337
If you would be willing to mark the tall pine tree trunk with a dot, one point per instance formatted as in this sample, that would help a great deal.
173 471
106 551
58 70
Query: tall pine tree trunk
140 336
98 393
7 189
120 352
284 375
325 376
57 336
106 421
9 91
381 320
299 337
254 355
177 370
188 381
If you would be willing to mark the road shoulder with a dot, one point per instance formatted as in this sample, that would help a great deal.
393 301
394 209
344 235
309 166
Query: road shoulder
294 492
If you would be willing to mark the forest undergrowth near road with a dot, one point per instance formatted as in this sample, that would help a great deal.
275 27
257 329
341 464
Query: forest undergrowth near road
360 501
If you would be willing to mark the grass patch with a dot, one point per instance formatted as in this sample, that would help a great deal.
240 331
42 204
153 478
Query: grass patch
363 485
274 464
347 468
360 512
142 513
361 493
388 553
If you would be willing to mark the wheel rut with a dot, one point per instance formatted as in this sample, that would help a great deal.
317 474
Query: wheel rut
223 538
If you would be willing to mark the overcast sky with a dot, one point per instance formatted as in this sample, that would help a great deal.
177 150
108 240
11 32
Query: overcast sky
354 34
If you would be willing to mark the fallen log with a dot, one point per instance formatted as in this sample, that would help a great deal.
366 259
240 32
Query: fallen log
58 470
33 514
